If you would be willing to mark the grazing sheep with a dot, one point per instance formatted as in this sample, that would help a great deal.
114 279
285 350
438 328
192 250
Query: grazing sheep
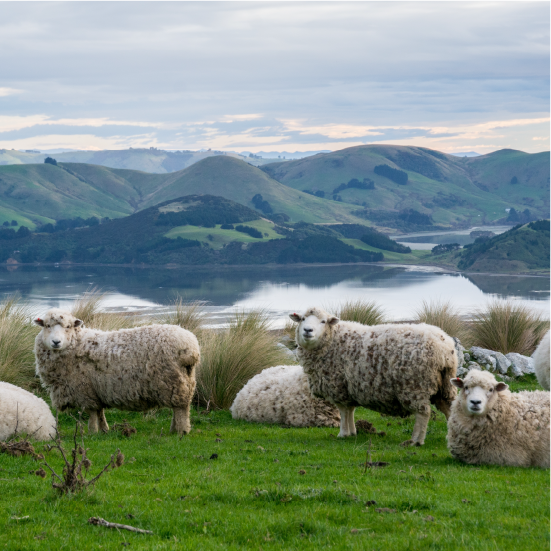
22 412
130 369
541 362
281 395
489 424
394 369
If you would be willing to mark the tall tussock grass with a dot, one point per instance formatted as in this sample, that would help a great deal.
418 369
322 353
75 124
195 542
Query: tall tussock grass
189 315
17 334
366 312
445 316
229 358
88 309
508 327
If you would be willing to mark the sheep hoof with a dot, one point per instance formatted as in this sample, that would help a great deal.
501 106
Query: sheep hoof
408 443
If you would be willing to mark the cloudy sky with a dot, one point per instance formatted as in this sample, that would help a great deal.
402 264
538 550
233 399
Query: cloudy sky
274 76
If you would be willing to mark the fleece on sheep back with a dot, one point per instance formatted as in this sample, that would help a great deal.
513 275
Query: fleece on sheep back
22 410
280 395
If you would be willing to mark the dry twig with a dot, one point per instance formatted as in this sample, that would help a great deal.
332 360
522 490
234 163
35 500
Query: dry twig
97 521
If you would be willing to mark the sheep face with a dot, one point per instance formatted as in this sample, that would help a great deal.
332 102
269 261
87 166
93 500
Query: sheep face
59 329
479 392
313 327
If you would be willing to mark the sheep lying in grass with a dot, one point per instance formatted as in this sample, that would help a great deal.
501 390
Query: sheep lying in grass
541 362
130 369
22 412
490 425
393 369
280 395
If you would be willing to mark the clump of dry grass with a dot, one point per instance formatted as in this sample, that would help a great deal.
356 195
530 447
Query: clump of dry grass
88 309
366 312
189 315
445 316
17 335
233 356
508 327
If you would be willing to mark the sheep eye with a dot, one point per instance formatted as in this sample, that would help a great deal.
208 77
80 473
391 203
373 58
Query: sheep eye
303 319
322 321
491 390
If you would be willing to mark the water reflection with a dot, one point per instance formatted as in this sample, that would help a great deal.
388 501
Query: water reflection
399 289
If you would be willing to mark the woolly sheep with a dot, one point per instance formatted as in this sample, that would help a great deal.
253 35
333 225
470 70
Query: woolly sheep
394 369
541 362
130 369
489 424
22 412
280 395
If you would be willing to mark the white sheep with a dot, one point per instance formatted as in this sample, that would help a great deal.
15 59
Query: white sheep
21 412
281 395
490 425
541 362
394 369
130 369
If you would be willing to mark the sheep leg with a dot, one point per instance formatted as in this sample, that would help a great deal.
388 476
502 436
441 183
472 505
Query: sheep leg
351 425
344 432
93 423
103 426
180 421
419 429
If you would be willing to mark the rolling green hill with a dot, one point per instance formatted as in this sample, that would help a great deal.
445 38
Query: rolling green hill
451 190
37 194
521 249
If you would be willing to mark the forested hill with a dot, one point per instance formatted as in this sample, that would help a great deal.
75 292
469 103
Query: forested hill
523 248
190 230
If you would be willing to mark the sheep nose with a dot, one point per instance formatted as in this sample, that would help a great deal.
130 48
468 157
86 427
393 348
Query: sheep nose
306 330
55 343
476 402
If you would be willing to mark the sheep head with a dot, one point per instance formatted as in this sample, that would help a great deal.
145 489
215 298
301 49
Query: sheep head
59 328
479 392
313 327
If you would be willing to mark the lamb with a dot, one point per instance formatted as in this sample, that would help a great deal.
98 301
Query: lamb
541 362
21 412
490 425
130 369
394 369
281 395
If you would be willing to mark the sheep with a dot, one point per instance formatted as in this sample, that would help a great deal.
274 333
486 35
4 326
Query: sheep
21 412
396 369
490 425
280 395
130 369
541 362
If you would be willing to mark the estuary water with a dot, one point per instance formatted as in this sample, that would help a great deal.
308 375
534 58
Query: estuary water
280 290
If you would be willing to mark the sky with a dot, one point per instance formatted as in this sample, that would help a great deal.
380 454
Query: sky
274 76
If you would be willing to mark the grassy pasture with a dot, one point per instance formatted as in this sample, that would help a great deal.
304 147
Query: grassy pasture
253 496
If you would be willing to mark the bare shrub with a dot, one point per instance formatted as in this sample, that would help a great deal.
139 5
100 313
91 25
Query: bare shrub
229 358
508 327
189 315
17 335
366 312
445 316
73 479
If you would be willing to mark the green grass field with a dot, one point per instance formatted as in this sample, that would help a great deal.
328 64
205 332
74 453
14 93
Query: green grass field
275 488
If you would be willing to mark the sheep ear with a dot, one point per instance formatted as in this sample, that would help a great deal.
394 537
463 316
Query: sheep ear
333 321
500 387
295 317
457 382
40 322
78 323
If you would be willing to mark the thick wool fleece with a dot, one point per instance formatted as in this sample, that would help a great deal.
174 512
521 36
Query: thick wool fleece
280 395
130 369
541 362
513 432
394 369
25 412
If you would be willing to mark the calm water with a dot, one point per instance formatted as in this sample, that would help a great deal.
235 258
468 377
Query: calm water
280 290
